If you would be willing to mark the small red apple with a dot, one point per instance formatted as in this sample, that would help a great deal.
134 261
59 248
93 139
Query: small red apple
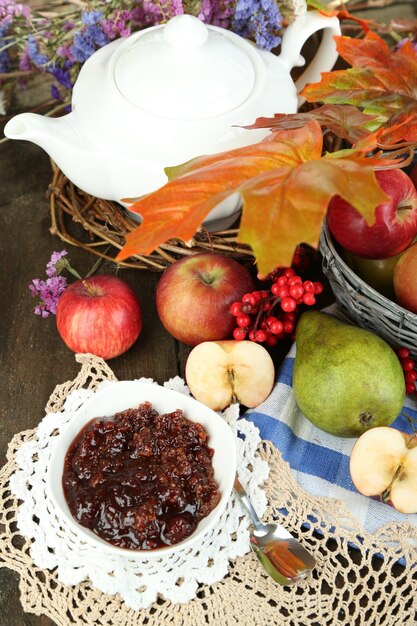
395 223
194 295
100 314
405 279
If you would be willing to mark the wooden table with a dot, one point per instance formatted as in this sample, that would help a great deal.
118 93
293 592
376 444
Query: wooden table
33 358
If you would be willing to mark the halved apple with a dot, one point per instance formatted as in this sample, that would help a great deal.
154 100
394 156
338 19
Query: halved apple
221 372
383 464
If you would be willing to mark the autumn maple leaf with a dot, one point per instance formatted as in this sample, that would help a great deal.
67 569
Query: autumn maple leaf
285 184
382 82
343 120
371 104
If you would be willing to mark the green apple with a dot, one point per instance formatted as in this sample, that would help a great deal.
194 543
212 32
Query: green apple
377 273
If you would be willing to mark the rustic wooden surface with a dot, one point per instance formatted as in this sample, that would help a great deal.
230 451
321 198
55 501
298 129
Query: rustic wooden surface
33 359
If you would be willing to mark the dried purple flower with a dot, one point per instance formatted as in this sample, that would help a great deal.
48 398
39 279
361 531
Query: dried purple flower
90 18
48 291
5 62
10 10
118 25
176 7
55 93
24 61
38 59
163 10
62 74
51 269
217 12
90 38
260 20
206 11
64 52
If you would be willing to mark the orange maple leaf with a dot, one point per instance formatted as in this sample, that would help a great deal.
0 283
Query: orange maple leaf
381 82
285 184
344 120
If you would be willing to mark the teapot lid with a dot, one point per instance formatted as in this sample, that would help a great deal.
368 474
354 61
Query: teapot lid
186 70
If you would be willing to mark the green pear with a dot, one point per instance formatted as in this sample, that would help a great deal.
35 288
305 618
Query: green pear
346 379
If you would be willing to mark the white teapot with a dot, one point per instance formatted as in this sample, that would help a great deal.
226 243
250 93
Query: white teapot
167 94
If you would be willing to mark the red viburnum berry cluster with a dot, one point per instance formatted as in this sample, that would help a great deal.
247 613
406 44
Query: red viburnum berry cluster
268 315
410 372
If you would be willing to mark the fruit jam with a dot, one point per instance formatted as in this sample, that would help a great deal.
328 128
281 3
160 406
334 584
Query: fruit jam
140 480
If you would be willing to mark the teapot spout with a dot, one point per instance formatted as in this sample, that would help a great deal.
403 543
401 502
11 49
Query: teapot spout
16 127
61 140
51 134
56 136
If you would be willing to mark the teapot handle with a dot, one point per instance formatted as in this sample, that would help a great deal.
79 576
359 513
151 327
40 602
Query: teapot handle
295 36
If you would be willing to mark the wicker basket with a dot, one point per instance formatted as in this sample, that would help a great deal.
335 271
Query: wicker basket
100 227
362 304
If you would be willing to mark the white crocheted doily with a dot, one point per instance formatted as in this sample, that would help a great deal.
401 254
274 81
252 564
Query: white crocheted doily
55 545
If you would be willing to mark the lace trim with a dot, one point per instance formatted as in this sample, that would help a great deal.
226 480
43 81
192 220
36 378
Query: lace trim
349 586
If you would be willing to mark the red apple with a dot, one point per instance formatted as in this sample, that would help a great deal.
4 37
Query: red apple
413 174
194 295
405 279
100 315
395 223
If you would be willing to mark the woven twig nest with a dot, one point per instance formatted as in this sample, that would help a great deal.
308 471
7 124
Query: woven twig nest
362 304
100 227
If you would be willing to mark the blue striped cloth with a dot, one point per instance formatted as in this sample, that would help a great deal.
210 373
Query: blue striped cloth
320 461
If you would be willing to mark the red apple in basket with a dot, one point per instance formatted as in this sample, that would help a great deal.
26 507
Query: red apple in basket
383 464
100 314
194 295
395 223
405 279
413 174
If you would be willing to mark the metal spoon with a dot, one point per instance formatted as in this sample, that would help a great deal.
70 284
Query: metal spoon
282 556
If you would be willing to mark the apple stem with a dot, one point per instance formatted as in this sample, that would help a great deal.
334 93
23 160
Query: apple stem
88 287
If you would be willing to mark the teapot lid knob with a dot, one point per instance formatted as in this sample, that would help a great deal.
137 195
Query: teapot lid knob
185 31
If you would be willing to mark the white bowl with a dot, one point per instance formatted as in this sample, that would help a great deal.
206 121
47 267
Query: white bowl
129 394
